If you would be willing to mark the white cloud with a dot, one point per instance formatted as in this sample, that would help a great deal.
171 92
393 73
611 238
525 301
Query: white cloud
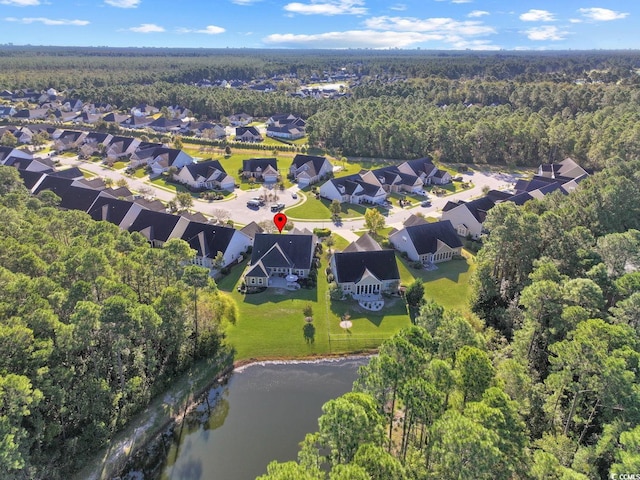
20 3
440 25
477 13
534 15
461 1
147 28
602 14
328 7
48 21
400 7
244 2
209 30
352 39
575 20
545 33
123 3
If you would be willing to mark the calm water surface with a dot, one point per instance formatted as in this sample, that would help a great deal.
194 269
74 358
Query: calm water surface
262 414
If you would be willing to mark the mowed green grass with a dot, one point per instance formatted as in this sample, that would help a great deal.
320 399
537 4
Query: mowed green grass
449 285
318 209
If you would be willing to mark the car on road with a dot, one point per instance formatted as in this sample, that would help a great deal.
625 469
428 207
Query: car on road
277 207
294 195
426 203
259 200
255 204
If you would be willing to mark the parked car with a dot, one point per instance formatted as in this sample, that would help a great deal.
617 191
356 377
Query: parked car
426 203
259 200
255 204
277 207
294 195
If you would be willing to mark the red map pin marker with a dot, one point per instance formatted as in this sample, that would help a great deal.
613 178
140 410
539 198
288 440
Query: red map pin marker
280 219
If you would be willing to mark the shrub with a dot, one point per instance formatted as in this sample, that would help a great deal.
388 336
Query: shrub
321 232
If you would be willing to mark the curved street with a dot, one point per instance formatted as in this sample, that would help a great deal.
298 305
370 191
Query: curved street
236 206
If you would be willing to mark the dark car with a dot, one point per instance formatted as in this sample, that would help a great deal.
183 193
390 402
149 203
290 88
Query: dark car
277 207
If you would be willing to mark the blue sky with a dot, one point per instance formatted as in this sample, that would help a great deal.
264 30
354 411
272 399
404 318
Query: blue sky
426 24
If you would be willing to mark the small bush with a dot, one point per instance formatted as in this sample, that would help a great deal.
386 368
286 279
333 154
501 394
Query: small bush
322 232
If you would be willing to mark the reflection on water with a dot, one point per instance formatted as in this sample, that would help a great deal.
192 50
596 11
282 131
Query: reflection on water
262 414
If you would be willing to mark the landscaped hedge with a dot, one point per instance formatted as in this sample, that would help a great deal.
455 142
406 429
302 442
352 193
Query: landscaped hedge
322 232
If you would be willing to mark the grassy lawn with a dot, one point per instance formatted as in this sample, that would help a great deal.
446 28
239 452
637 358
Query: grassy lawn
139 173
69 154
162 182
378 237
318 209
87 173
119 165
448 285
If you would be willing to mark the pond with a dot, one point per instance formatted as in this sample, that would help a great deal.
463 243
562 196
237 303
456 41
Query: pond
261 415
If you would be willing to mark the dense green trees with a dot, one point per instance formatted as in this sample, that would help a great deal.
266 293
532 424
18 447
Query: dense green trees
93 324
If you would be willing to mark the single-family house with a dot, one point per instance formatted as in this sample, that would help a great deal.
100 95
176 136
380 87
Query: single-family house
309 169
251 230
363 187
265 169
365 243
69 140
426 170
248 134
94 143
6 112
144 110
568 168
115 117
7 152
287 132
240 119
428 242
112 210
209 174
157 227
467 217
160 159
207 240
31 114
366 273
119 147
213 131
163 124
137 121
275 255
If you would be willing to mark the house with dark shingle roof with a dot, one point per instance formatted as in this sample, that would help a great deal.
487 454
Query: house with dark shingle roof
160 159
363 187
157 227
261 168
207 240
467 217
208 174
428 242
279 255
365 243
112 210
163 124
248 134
309 169
119 147
288 132
366 272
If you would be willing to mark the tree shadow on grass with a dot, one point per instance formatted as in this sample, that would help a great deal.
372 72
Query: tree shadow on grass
309 333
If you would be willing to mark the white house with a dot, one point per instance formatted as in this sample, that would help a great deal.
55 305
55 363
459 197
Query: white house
358 188
366 272
308 169
207 240
467 218
209 174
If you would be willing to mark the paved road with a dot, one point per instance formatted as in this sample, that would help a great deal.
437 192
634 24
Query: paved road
239 213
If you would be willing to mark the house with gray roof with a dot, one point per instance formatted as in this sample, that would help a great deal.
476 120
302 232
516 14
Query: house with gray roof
209 174
366 273
276 255
428 242
309 169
